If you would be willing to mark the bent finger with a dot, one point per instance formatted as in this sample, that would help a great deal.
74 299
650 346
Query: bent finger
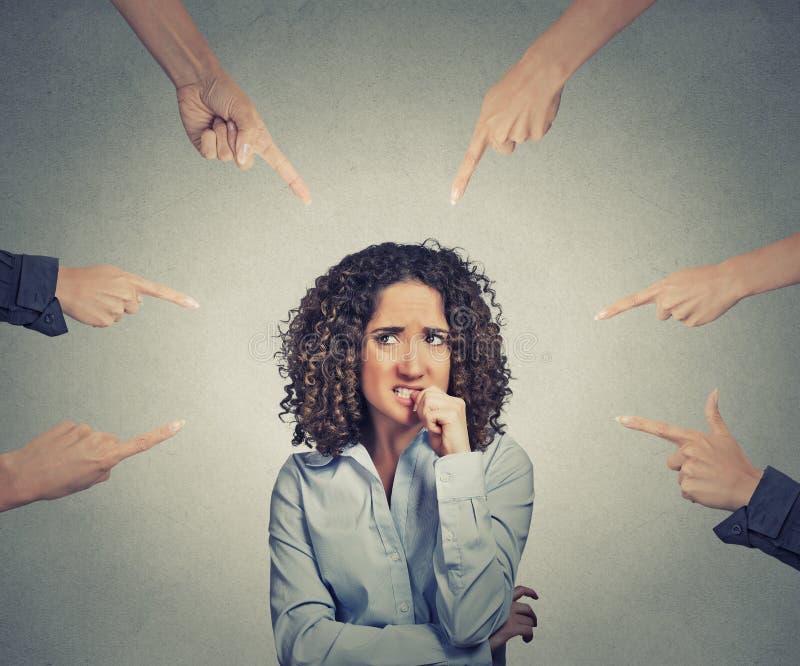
631 301
522 591
224 151
477 147
165 293
208 144
146 441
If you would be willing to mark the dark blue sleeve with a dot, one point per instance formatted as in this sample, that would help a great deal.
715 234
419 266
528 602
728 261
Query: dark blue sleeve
28 293
771 522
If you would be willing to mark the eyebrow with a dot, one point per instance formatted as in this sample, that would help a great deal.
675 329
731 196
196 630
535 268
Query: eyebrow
399 329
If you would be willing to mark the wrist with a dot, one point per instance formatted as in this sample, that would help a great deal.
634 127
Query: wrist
748 487
12 493
546 63
194 69
734 276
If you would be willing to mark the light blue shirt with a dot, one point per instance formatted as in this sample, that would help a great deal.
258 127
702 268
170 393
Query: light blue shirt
425 581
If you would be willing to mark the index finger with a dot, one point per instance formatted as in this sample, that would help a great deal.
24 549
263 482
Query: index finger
660 429
477 147
160 291
146 441
274 156
629 302
522 591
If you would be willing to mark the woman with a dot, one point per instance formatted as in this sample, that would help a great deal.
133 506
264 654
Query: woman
397 540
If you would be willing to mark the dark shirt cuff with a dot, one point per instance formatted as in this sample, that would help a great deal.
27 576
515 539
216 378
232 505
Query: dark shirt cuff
51 321
733 529
37 282
771 502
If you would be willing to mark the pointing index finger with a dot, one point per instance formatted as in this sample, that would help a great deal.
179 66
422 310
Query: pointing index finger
274 156
629 302
477 147
146 441
660 429
160 291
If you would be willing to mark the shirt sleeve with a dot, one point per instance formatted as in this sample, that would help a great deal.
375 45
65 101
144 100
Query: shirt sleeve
770 522
484 520
304 612
27 293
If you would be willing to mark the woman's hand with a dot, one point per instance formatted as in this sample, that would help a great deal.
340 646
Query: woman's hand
694 296
445 417
521 620
520 107
222 123
67 459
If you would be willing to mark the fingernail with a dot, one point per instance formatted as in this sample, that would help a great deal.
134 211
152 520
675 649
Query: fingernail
231 126
716 397
177 425
455 195
624 420
189 302
601 315
244 152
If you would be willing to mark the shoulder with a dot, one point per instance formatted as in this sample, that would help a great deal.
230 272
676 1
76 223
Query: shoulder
299 466
504 459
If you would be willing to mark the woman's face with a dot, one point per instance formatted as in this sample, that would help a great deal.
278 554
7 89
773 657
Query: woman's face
405 349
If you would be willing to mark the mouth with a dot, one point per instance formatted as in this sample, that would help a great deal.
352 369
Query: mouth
405 392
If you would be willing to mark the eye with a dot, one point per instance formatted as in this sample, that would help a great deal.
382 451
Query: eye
434 339
386 339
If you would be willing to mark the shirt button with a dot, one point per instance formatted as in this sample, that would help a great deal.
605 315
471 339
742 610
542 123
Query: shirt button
403 607
736 529
444 477
448 536
48 318
395 557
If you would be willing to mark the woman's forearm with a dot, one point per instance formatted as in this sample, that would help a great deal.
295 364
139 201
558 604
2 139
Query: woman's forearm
581 31
171 37
770 267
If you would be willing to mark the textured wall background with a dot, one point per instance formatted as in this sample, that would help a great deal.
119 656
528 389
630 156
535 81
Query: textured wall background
676 146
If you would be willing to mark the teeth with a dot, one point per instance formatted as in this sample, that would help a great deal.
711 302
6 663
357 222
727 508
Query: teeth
402 392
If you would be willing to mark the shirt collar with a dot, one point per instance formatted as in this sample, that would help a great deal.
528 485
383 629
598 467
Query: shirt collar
358 452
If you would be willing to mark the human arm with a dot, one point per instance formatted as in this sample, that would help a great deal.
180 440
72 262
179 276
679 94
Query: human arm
524 103
698 296
27 293
485 510
714 471
67 459
219 118
304 611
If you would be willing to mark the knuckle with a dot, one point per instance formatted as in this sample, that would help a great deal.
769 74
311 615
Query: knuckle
84 430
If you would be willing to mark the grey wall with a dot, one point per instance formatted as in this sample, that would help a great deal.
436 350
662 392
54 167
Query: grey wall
676 146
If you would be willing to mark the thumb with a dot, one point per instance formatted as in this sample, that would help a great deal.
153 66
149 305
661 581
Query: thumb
714 418
245 140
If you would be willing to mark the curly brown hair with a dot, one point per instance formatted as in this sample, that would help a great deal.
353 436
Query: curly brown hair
321 346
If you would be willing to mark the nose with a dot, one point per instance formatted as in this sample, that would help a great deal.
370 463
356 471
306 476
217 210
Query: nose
410 365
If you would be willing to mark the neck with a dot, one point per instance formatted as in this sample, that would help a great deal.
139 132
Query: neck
386 442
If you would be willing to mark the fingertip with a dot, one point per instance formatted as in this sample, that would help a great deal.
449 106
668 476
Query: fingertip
455 195
301 191
244 155
190 303
624 420
175 426
603 314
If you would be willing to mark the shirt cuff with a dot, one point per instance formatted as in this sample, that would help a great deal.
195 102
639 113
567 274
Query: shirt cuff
771 502
733 530
460 476
477 655
51 321
37 282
